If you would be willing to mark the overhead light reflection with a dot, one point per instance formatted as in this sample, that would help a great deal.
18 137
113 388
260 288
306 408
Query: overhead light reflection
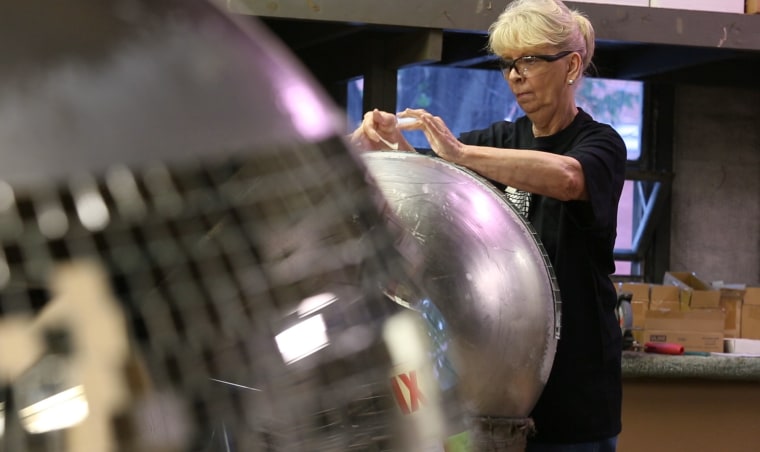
482 207
59 411
309 115
303 339
235 385
313 304
92 210
52 220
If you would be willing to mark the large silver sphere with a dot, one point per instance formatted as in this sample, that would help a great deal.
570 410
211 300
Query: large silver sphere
190 257
484 268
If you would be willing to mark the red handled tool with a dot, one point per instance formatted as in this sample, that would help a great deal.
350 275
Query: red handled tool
665 348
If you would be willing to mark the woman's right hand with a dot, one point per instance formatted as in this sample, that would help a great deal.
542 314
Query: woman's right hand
379 131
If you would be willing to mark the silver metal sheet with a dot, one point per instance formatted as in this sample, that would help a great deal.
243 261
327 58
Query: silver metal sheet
483 267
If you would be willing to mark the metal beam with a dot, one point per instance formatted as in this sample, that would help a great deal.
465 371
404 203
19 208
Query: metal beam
380 79
647 61
471 15
611 22
653 210
421 46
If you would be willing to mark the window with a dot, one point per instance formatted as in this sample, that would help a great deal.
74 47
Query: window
468 99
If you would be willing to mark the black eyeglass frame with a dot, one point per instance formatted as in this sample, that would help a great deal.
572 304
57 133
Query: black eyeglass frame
507 65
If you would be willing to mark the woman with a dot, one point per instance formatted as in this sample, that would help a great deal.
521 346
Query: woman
565 172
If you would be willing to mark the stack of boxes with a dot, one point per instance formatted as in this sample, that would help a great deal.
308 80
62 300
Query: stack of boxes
688 311
750 314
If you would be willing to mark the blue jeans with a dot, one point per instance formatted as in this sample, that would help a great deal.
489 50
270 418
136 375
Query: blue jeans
605 445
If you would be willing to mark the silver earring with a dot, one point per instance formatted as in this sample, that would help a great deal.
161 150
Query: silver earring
570 82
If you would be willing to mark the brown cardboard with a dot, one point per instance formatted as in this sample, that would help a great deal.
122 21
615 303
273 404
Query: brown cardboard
750 328
692 341
664 298
733 310
697 320
752 6
731 303
639 310
638 291
752 296
750 324
698 330
695 293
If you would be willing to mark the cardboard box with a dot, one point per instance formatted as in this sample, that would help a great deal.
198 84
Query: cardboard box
724 6
750 325
731 304
664 298
699 330
692 341
697 320
638 291
639 306
752 7
639 310
695 293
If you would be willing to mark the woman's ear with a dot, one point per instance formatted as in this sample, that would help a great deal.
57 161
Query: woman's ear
575 68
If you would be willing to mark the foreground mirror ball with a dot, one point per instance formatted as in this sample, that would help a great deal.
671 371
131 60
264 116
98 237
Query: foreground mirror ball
192 260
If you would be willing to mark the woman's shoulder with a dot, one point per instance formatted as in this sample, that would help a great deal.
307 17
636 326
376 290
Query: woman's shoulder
497 132
494 135
585 126
502 125
585 120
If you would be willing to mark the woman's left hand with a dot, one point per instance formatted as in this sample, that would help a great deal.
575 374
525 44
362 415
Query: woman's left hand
442 140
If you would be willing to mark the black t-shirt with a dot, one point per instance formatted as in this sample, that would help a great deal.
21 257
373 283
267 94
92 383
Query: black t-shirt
582 398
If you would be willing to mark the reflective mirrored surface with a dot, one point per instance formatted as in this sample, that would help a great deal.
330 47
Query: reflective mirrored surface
483 267
179 205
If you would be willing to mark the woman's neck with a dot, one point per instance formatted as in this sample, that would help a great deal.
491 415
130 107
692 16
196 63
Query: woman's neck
560 120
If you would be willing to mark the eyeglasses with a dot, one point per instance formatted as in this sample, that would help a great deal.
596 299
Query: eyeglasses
529 63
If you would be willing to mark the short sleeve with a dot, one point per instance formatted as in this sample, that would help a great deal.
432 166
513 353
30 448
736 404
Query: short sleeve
602 155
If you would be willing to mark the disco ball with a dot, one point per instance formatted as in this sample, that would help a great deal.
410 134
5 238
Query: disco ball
191 259
485 271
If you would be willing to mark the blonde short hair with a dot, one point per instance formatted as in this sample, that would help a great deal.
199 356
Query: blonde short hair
526 24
